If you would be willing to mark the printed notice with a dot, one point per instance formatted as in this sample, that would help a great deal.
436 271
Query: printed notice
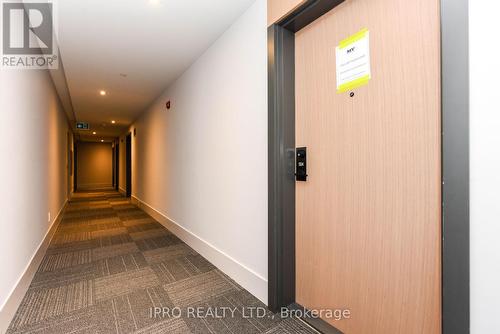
353 61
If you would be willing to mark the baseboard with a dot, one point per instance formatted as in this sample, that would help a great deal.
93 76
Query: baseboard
17 294
122 191
247 278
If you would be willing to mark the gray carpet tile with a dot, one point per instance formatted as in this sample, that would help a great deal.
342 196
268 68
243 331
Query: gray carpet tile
58 261
108 232
90 320
124 283
41 304
114 250
66 238
191 291
181 268
143 227
291 326
84 272
114 240
168 253
123 263
157 242
238 322
149 233
73 246
109 265
140 221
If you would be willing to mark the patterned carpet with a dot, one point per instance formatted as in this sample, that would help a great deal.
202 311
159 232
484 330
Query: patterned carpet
110 267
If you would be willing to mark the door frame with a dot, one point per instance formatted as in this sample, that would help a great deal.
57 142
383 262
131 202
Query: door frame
117 165
455 159
128 164
75 165
69 163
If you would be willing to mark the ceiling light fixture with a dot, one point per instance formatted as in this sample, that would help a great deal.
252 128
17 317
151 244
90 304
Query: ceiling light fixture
113 121
154 2
94 133
102 92
102 140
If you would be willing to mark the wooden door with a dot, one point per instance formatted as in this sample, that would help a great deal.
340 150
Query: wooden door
368 219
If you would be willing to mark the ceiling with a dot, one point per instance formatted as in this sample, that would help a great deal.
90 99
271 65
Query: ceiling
132 49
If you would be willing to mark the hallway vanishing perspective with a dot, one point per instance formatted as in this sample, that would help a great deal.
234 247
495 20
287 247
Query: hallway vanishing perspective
109 265
249 167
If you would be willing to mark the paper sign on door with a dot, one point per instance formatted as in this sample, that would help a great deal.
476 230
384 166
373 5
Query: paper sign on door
353 61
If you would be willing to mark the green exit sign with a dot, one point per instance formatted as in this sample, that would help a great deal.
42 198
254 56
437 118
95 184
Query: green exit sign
82 126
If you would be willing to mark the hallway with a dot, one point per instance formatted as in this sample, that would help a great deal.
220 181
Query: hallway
109 264
249 167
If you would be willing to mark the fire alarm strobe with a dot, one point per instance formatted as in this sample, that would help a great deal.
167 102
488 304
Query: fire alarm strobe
168 104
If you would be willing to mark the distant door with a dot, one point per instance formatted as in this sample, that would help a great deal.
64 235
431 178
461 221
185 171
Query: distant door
117 166
69 167
75 165
368 218
113 166
128 153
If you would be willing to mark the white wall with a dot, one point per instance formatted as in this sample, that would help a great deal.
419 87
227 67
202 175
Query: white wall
485 166
203 163
33 179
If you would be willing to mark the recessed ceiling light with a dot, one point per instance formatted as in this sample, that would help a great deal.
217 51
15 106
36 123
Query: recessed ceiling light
154 2
102 92
94 133
113 121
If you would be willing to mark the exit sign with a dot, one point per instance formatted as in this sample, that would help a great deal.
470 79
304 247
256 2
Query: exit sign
82 126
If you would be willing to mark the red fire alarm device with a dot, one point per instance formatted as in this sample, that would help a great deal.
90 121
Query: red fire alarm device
168 104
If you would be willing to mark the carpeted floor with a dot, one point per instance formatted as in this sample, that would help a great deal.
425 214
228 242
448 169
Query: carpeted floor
110 267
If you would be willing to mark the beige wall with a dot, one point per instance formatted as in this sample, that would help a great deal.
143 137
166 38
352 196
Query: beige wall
33 146
94 165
